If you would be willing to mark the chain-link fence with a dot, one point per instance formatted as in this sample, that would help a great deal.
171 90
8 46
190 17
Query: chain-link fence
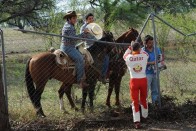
19 47
178 80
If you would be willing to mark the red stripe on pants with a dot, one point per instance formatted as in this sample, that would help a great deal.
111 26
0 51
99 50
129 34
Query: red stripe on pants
138 87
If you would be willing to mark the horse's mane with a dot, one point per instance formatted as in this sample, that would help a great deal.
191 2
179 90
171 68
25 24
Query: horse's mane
119 39
126 37
98 47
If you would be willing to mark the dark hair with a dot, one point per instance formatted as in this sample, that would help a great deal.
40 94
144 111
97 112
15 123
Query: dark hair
147 38
88 15
69 18
135 46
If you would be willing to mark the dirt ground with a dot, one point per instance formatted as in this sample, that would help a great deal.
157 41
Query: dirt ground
169 117
109 125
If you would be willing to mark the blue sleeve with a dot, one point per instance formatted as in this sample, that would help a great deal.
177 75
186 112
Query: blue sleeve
159 51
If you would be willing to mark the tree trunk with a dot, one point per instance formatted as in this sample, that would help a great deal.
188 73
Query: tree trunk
4 120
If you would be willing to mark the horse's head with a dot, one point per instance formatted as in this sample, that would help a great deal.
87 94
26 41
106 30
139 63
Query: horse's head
128 37
108 36
99 47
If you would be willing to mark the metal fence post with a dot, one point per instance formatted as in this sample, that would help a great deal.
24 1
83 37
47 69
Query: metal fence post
144 26
4 69
156 59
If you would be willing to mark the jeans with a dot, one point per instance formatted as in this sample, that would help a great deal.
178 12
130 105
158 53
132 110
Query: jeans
152 85
74 54
105 65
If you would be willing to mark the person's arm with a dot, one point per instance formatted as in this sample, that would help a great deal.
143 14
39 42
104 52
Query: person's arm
82 29
151 63
127 52
71 32
144 52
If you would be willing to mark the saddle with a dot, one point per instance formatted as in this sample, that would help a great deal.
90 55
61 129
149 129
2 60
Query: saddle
65 62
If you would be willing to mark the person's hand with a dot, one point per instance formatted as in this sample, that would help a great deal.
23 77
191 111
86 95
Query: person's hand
86 30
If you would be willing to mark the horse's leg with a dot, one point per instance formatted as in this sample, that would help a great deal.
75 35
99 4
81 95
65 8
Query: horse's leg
37 97
117 90
61 92
110 89
84 95
91 92
68 94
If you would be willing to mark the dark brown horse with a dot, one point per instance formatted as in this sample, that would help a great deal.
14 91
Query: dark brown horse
101 49
42 67
117 66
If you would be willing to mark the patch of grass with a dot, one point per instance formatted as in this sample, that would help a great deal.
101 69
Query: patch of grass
179 80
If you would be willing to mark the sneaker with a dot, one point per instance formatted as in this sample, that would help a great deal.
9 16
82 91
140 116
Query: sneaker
137 125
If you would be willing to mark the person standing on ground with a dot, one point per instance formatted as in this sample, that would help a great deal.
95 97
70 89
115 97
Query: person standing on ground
136 61
150 70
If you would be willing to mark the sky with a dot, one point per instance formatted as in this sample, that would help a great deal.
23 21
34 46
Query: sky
62 5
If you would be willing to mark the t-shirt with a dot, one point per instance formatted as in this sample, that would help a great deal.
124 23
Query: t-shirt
136 63
150 68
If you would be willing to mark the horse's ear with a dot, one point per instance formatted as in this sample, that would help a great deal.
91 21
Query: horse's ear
111 34
131 28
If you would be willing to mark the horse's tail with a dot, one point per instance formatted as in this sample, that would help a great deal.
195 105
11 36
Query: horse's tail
29 82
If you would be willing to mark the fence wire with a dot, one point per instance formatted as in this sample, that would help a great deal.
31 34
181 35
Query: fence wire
177 80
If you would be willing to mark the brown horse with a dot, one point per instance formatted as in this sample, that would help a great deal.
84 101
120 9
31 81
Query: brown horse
117 66
42 67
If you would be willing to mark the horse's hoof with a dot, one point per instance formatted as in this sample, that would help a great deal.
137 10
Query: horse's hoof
91 109
76 109
62 108
83 110
108 104
65 112
118 104
41 115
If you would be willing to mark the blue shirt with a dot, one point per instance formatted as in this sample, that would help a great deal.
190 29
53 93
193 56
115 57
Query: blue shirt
69 30
150 68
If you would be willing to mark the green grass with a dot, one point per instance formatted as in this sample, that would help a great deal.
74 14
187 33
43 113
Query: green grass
178 81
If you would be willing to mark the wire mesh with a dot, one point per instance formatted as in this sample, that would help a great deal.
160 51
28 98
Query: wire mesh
177 80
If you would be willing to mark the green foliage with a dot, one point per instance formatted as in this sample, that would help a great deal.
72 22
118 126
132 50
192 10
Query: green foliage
168 6
18 12
114 11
